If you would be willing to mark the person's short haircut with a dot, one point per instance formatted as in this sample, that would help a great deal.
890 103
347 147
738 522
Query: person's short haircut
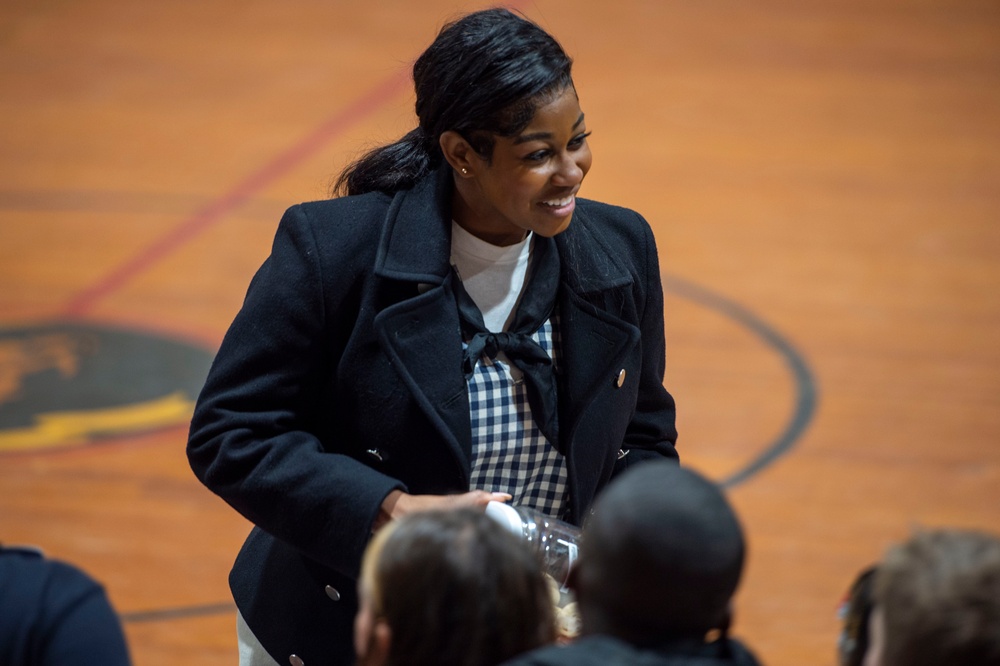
661 556
457 589
939 595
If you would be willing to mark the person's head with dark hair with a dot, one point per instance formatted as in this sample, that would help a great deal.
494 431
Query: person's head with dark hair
660 559
483 79
937 601
450 588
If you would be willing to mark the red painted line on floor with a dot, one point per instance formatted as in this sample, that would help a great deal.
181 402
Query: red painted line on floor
219 208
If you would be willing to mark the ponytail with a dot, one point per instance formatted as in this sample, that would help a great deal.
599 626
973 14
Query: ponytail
390 168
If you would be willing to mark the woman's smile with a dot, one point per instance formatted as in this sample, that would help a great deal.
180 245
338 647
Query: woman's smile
561 207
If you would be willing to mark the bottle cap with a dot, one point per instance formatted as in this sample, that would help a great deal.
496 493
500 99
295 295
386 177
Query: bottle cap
506 515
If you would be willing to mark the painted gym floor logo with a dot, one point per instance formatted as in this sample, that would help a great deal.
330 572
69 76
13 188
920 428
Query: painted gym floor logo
69 384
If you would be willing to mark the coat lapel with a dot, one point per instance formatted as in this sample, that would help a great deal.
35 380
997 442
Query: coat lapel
594 340
601 341
422 335
597 344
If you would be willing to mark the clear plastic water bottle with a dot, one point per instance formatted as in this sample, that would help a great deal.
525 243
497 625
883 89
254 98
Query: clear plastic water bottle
555 542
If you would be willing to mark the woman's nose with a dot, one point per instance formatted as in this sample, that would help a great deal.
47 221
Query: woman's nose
570 171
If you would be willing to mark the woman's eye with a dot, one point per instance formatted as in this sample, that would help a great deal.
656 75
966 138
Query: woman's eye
544 154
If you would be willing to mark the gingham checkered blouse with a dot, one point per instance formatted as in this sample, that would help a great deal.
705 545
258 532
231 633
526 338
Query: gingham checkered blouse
509 452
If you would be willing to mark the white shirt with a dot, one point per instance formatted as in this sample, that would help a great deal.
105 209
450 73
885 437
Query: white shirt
492 275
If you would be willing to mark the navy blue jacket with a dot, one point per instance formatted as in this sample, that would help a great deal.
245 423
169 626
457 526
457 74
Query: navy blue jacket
54 614
341 380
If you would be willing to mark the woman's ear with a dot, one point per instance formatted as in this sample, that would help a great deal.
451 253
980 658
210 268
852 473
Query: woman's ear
458 153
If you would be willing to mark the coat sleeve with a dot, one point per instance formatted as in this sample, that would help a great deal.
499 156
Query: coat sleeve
254 437
652 431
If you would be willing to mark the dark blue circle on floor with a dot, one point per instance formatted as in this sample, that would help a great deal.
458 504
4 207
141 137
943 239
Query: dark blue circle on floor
67 383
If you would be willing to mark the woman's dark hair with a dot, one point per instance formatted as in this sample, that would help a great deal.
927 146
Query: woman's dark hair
459 590
484 75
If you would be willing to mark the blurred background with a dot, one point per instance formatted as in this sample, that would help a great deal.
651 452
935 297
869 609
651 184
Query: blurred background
823 179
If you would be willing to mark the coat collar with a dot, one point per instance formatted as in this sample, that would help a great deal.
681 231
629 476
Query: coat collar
416 240
588 265
416 236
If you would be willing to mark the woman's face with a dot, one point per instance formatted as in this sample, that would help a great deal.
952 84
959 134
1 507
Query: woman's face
531 182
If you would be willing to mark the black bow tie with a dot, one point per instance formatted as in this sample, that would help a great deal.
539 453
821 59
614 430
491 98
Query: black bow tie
533 310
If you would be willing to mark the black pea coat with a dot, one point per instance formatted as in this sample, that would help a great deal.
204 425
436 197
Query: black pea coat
341 380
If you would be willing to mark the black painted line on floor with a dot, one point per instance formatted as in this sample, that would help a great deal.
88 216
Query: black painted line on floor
806 391
179 613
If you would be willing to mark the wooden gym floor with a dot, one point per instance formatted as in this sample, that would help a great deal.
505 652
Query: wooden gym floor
823 179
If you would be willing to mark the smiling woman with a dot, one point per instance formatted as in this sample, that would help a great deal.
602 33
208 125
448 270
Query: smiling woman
529 181
457 327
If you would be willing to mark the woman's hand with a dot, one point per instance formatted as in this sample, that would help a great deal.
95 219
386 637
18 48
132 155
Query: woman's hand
397 503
